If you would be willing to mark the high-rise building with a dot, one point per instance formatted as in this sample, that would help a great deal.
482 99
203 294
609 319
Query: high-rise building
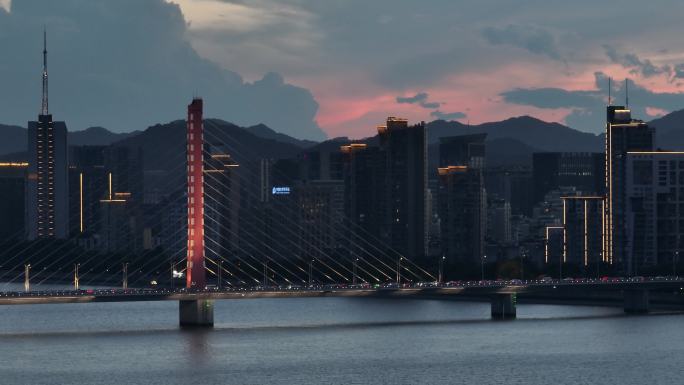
321 212
405 153
655 205
463 150
88 184
623 135
195 274
222 202
499 221
13 202
583 230
583 170
48 180
513 185
364 184
462 213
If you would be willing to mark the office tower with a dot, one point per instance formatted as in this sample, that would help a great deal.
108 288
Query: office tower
195 273
582 230
461 211
48 195
222 202
405 153
583 170
463 150
553 244
13 202
623 135
126 166
321 212
88 184
363 173
655 205
513 185
499 221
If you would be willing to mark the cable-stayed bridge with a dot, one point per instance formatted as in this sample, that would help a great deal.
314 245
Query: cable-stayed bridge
361 266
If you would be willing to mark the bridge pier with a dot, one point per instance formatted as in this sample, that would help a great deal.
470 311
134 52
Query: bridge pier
196 313
503 306
636 301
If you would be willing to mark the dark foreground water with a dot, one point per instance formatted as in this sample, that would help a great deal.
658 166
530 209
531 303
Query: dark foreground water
337 341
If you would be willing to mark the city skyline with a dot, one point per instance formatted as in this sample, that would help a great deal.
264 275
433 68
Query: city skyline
551 69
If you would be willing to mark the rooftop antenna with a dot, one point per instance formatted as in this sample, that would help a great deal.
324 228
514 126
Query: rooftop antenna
626 94
610 103
44 106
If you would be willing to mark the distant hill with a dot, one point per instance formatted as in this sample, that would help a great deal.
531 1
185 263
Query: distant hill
532 132
263 131
670 130
14 141
97 136
164 150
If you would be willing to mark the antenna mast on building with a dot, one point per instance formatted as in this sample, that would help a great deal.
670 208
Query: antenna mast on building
626 93
44 106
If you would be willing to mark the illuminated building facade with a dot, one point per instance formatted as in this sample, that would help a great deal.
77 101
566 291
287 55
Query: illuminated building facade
655 203
88 184
623 135
195 272
583 230
48 180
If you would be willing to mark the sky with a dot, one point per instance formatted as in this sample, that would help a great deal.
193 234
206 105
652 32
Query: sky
315 69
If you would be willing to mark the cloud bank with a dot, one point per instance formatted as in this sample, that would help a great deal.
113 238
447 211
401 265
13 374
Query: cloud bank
126 64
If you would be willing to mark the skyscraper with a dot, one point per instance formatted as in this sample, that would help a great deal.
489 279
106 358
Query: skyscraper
405 219
463 150
195 273
583 170
13 202
655 203
623 135
48 180
461 201
582 230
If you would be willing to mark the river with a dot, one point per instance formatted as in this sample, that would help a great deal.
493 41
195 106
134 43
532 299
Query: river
337 341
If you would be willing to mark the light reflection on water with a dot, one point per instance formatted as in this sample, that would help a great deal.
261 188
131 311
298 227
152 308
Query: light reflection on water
336 341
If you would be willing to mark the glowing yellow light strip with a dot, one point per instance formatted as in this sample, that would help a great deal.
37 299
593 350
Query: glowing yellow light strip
565 231
603 230
80 186
586 235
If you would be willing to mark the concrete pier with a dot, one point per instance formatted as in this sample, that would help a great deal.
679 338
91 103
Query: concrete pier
196 313
503 306
636 301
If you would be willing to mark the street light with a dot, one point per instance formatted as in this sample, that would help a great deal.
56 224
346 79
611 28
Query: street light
441 270
27 283
482 260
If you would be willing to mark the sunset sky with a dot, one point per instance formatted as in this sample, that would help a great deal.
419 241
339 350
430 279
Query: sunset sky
364 60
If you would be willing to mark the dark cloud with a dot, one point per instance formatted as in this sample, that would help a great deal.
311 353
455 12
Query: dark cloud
447 115
420 98
417 98
588 107
636 65
127 64
536 40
